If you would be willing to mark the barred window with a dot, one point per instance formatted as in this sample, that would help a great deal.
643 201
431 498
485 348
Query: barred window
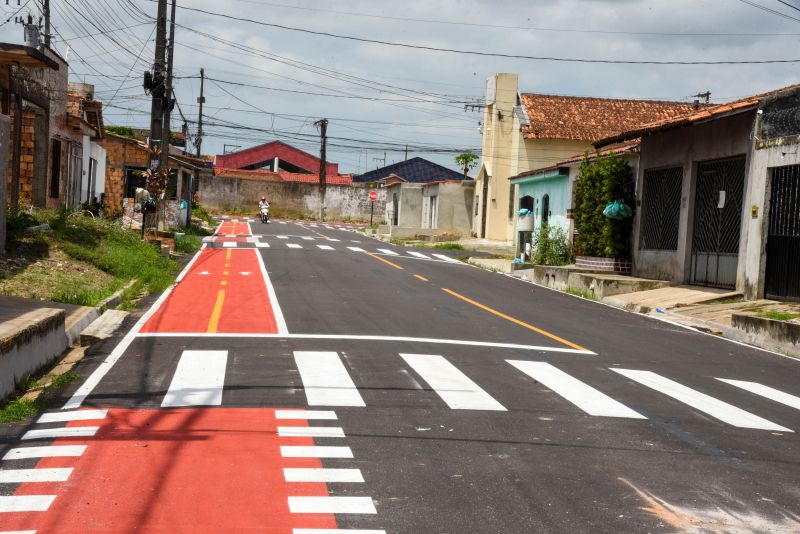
661 204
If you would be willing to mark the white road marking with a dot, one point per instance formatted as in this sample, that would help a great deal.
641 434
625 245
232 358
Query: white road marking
325 379
417 254
315 451
262 245
26 503
325 247
355 241
204 273
716 408
455 388
356 249
307 238
280 322
581 395
491 344
333 239
329 227
54 474
230 244
44 452
334 531
331 505
311 474
294 245
283 237
445 258
78 415
198 380
245 273
64 432
23 531
387 251
304 414
766 391
310 431
282 222
312 225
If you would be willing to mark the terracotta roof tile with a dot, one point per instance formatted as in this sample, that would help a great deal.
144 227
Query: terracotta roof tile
590 119
337 179
694 116
266 176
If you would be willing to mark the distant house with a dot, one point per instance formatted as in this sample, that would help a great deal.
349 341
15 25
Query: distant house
528 131
718 195
275 156
415 170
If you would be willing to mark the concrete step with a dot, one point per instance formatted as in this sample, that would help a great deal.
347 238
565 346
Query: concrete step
103 327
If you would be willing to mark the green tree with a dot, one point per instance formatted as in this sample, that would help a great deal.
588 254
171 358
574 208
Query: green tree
601 181
467 161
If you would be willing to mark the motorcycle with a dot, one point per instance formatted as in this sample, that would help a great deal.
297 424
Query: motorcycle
265 214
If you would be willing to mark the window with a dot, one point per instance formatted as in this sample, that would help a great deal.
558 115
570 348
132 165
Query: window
134 178
545 209
55 169
526 203
511 202
661 203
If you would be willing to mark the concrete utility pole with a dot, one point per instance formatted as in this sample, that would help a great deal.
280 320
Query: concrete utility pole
322 124
198 142
163 162
46 12
158 91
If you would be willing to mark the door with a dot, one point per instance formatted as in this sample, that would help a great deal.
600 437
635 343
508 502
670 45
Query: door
484 197
783 235
717 222
395 209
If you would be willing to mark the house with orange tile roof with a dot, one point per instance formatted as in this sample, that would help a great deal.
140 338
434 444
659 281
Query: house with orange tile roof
718 196
528 131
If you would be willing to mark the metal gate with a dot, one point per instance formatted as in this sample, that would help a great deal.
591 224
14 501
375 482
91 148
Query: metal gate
783 239
717 222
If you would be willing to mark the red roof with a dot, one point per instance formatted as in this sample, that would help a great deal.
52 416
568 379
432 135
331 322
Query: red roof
626 148
696 115
336 179
589 119
266 176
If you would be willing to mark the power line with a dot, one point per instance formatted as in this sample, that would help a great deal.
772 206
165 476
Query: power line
790 5
492 54
769 10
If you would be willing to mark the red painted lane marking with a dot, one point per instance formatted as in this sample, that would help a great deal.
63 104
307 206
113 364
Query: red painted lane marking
189 470
246 306
236 228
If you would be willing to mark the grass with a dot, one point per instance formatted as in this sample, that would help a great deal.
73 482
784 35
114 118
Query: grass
188 243
778 315
201 213
581 293
448 246
21 407
82 261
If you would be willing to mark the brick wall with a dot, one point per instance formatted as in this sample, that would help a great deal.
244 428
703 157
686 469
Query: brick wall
27 151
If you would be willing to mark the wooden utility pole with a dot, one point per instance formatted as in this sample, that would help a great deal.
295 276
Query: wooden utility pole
46 11
198 142
322 124
159 94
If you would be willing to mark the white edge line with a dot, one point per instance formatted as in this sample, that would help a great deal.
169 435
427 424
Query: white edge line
455 262
91 382
216 230
276 307
378 338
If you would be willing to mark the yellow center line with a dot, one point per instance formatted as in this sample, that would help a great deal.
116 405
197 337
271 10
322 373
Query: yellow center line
216 312
384 261
513 320
227 265
224 283
319 234
225 273
228 255
421 278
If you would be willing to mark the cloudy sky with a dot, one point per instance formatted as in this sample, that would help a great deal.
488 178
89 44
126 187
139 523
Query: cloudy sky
267 80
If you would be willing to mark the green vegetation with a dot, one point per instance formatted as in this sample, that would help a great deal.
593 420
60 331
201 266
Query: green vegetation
201 213
20 407
120 130
467 161
82 260
448 246
779 315
601 182
188 243
581 293
551 246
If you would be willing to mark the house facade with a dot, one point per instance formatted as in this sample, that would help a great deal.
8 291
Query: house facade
524 132
717 195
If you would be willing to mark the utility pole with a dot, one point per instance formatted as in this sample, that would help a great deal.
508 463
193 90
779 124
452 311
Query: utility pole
322 124
157 87
46 9
199 141
163 162
406 159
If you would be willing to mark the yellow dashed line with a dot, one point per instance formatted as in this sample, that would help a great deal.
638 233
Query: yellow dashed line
384 261
228 255
421 278
214 321
224 283
513 320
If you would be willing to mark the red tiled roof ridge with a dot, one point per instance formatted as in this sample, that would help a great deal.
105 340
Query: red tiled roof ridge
610 99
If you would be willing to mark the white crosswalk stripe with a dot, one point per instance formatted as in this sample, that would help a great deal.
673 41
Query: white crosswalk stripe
198 379
311 431
307 238
325 379
311 474
64 432
331 505
44 452
455 388
766 391
230 244
445 258
331 531
53 474
262 245
294 245
305 414
26 503
315 451
417 254
74 415
387 251
581 395
356 249
325 247
716 408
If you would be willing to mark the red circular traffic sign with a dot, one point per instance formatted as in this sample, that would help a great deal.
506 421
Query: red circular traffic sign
373 196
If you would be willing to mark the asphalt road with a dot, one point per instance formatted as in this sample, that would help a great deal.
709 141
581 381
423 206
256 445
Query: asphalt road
433 397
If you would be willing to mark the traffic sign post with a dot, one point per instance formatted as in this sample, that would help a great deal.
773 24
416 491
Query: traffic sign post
373 196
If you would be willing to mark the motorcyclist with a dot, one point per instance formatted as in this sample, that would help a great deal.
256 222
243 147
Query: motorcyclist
263 203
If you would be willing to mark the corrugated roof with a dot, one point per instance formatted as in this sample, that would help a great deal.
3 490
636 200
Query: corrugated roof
589 119
694 116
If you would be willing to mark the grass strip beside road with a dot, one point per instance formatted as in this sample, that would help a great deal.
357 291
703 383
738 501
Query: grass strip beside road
513 320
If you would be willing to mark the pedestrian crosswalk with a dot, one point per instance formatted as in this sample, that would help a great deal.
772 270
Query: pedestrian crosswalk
327 380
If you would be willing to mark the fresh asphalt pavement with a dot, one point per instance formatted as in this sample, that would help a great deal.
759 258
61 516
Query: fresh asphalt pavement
468 401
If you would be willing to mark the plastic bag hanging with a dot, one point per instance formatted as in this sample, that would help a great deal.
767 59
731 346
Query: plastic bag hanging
617 210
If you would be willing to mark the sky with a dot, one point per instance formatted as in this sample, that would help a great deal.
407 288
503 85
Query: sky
268 76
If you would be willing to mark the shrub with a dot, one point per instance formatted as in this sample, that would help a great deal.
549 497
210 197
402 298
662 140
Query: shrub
551 246
602 181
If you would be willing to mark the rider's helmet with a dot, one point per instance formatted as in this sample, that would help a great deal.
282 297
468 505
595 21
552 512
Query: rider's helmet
263 198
